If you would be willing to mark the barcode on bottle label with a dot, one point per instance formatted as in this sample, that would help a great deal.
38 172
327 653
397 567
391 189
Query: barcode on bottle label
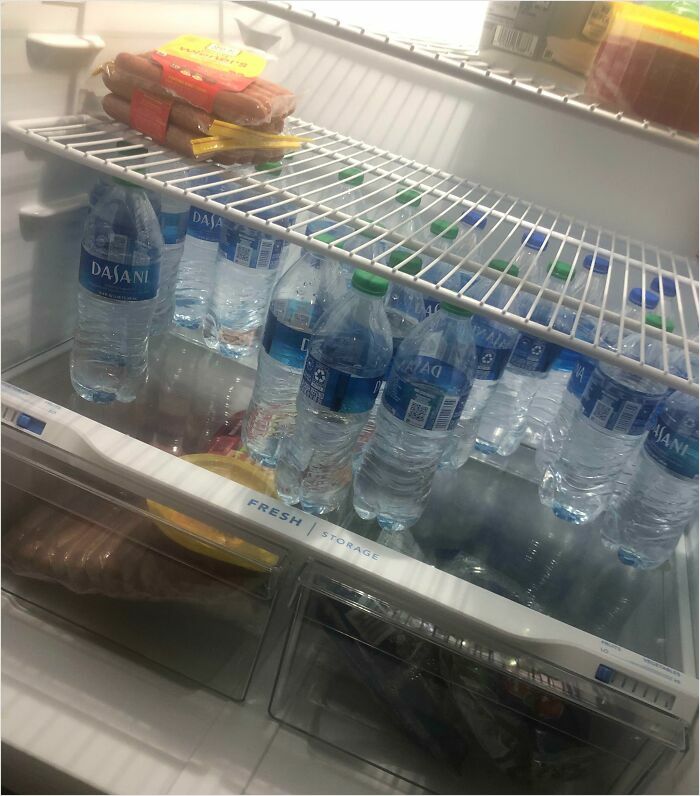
417 413
628 414
515 41
446 413
265 254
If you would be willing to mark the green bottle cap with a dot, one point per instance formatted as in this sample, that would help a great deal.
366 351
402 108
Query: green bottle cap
501 265
326 237
272 166
655 320
352 175
411 266
125 183
408 197
444 229
369 283
456 309
560 269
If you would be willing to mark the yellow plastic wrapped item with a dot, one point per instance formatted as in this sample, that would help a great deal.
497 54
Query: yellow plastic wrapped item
208 541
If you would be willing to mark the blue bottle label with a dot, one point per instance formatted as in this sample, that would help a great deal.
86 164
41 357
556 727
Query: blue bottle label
616 407
285 343
532 354
435 402
491 362
251 249
580 375
204 225
566 361
431 305
673 443
338 391
116 281
174 227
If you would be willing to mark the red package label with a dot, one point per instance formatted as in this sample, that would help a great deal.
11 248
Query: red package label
195 83
228 437
149 114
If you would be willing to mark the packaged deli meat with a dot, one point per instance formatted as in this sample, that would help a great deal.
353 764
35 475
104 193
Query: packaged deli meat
137 562
180 139
213 77
187 117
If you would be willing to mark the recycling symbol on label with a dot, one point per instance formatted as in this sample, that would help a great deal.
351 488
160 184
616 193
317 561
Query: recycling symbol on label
320 376
487 359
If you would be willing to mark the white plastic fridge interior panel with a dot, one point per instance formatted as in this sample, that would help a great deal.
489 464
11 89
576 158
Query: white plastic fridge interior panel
448 600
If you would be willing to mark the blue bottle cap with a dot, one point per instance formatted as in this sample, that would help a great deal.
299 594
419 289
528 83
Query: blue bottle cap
475 218
641 298
669 285
600 266
534 239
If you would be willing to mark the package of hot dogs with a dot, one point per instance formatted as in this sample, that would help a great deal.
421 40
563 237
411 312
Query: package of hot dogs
202 99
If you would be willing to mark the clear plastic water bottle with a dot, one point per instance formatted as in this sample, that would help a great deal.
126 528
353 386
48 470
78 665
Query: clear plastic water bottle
119 270
444 234
504 421
638 303
244 275
403 219
405 309
473 226
550 394
349 353
427 388
494 342
649 519
173 217
668 285
298 301
616 408
196 271
347 194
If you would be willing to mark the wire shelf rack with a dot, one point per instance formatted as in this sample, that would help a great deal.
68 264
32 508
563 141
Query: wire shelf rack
307 198
464 65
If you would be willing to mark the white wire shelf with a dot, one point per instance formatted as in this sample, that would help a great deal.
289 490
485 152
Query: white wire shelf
309 191
471 67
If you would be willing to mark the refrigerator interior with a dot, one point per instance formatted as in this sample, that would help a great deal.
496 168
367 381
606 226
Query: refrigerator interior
512 552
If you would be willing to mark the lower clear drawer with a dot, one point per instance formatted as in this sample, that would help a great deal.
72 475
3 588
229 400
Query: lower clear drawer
454 715
102 559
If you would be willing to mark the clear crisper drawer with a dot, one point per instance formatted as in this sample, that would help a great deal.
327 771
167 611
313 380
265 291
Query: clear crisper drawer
453 714
132 571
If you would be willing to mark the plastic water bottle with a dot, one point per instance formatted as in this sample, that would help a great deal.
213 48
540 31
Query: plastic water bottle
444 235
119 270
403 218
244 275
504 421
616 409
427 388
405 309
298 301
196 270
473 225
649 519
349 353
668 285
556 432
550 394
173 217
494 342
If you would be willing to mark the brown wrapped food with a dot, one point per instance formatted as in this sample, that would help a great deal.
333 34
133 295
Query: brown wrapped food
257 104
180 140
136 563
182 114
